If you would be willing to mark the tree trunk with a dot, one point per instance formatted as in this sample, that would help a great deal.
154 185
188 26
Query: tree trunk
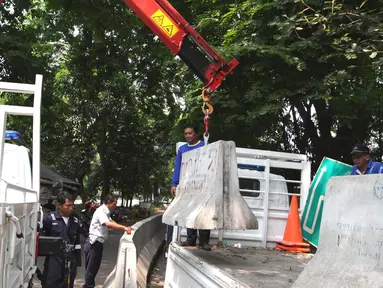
84 193
104 157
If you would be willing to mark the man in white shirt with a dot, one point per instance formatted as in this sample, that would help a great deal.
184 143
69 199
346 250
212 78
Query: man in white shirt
98 233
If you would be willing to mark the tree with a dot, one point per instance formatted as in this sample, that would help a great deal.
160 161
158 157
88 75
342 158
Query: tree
308 75
115 99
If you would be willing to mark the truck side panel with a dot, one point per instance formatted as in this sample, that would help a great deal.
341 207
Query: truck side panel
183 268
267 194
17 254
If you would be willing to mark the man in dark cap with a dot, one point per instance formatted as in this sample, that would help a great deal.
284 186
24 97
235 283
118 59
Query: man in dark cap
362 161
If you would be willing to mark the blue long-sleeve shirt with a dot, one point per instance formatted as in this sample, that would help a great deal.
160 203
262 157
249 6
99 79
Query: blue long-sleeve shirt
177 166
372 168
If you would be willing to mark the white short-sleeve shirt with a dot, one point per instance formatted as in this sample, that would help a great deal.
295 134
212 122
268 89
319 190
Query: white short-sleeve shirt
98 231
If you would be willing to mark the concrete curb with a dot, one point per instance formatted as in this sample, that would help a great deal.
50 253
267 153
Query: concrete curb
136 253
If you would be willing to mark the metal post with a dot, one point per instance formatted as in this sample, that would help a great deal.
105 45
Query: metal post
220 234
3 124
266 203
176 232
36 134
305 184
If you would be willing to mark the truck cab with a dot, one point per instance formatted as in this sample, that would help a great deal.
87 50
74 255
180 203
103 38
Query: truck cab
252 179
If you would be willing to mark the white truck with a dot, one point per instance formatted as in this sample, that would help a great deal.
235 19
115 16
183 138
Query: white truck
267 179
19 192
267 193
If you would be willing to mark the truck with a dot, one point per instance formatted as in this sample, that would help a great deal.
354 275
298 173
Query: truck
19 192
246 258
267 180
28 190
51 183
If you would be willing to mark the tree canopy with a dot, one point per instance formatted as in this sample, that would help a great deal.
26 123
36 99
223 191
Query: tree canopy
115 99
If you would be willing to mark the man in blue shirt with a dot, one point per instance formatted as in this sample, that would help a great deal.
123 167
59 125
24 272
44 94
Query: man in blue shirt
192 137
193 142
362 161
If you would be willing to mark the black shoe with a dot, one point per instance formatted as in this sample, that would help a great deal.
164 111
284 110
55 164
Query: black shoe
186 244
205 247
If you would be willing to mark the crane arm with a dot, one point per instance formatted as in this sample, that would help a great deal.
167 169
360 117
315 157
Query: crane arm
181 38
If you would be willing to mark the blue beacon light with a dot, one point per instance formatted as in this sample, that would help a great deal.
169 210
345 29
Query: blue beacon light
12 135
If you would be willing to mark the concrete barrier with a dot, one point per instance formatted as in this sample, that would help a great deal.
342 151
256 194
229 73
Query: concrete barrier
208 194
136 253
351 236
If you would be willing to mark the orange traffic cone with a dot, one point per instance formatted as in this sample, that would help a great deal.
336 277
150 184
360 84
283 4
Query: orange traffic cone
292 239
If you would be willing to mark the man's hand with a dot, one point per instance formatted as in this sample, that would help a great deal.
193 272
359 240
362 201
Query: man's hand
128 230
173 191
114 225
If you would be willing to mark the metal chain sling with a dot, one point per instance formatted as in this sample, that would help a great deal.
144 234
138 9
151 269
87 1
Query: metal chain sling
207 110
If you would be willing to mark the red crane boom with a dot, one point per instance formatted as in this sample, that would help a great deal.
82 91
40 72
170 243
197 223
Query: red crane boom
181 38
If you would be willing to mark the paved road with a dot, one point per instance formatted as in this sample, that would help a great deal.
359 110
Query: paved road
107 265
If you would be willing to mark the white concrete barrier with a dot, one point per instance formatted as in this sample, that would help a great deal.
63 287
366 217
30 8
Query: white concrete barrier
351 236
208 194
136 253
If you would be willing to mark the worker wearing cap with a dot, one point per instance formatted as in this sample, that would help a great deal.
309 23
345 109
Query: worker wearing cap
362 161
62 223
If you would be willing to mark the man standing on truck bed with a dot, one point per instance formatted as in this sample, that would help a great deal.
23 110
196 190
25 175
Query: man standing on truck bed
61 223
362 161
98 233
192 137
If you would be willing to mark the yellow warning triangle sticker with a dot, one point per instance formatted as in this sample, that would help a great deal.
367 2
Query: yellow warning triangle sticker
159 19
168 29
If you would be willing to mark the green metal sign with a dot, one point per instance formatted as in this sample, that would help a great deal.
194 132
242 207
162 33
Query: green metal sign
312 214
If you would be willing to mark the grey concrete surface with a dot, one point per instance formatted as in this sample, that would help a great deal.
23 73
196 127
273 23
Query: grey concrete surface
208 194
351 236
256 267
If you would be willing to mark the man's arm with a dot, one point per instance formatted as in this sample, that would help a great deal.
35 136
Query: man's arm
176 173
114 225
105 220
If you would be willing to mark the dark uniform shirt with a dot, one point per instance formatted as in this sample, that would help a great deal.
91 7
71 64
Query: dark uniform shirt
54 225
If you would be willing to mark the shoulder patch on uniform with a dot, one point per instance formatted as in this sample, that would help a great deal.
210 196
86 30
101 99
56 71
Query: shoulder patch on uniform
53 216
